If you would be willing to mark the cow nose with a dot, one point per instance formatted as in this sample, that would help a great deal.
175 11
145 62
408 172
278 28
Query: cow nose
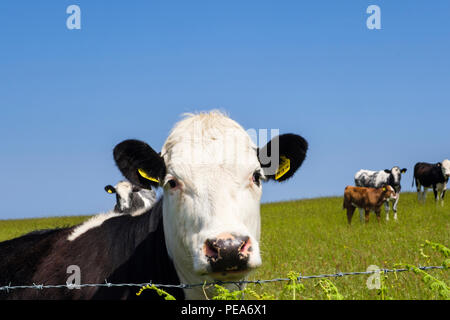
228 252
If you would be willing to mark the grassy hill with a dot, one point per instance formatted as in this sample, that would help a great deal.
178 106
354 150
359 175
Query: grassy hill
312 237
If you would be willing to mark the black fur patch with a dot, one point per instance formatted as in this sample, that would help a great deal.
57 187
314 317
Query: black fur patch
428 175
291 146
123 249
131 155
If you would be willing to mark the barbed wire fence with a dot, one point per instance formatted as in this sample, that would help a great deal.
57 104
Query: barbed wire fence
239 284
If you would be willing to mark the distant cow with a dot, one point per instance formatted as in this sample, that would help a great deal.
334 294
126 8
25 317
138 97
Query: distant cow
434 176
366 199
131 199
376 179
205 227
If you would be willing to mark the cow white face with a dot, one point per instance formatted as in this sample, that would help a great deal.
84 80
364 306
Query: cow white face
445 166
212 192
396 175
211 176
123 190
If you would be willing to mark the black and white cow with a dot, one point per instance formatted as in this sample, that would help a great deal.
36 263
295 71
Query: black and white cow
131 199
376 179
205 227
117 248
434 176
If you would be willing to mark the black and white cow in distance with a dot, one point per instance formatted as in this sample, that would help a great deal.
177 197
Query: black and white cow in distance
434 176
131 199
376 179
205 227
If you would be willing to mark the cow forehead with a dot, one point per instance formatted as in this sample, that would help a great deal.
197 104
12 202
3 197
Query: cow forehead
123 185
446 164
123 188
209 140
396 170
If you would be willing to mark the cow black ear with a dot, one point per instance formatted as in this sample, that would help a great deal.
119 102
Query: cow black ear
403 170
291 154
139 163
387 171
110 189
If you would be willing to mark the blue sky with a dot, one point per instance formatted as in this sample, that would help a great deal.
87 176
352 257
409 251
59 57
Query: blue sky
363 98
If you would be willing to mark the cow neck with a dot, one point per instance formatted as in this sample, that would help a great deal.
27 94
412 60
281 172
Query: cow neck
392 183
441 174
148 222
380 198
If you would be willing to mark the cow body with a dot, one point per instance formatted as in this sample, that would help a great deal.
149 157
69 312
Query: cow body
366 200
376 179
433 176
206 227
102 254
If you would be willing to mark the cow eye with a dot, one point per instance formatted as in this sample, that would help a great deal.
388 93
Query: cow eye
257 178
172 183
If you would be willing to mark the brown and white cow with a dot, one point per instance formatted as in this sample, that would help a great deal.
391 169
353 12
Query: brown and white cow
366 199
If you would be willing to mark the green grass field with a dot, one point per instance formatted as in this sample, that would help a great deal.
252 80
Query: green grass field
312 237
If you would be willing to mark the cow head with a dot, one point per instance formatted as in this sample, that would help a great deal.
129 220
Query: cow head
123 191
445 167
211 177
388 192
395 175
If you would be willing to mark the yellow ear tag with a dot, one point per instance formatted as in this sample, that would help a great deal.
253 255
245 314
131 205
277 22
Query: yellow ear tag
146 176
384 189
110 191
285 166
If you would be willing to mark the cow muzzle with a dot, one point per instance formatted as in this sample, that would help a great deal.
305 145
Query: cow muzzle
228 253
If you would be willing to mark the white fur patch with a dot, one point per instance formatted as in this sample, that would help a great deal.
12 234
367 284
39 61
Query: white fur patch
140 211
93 222
446 167
124 190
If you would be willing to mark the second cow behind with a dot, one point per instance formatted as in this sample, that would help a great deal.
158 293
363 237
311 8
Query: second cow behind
131 199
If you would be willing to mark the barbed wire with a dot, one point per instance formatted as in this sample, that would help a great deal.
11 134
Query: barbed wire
9 287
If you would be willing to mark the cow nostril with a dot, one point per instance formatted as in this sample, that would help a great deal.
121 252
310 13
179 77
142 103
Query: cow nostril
245 248
211 250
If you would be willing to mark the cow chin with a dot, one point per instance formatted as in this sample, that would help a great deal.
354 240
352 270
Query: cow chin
230 275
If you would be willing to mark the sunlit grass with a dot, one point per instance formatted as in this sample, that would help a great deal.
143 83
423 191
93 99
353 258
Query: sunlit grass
312 237
13 228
